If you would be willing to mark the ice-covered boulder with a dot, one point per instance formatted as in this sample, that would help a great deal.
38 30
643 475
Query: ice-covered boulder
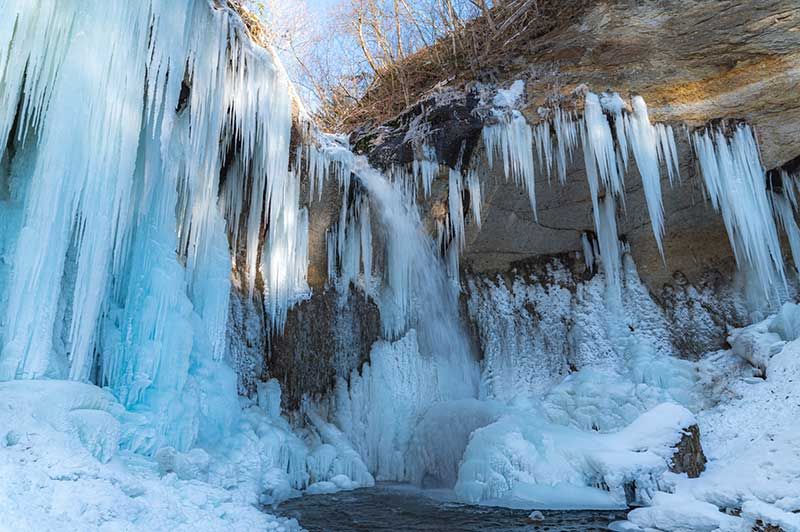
756 344
192 465
87 412
523 460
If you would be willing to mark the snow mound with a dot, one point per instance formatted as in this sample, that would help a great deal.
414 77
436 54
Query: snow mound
750 436
524 460
60 470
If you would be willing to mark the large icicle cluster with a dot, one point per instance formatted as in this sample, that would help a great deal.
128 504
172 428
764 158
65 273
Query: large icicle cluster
734 179
736 185
117 122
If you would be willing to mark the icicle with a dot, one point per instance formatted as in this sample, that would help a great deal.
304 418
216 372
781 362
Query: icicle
599 149
330 158
455 210
350 246
588 253
668 151
475 195
735 182
426 168
613 104
567 138
644 143
544 147
785 215
512 139
789 188
608 241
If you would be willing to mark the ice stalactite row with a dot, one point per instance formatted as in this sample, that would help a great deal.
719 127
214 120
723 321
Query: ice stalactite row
326 156
566 130
736 185
120 132
349 240
608 133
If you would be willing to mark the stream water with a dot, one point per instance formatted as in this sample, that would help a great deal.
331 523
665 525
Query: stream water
401 508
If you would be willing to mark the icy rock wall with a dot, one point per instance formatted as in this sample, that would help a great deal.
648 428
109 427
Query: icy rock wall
118 119
621 151
539 326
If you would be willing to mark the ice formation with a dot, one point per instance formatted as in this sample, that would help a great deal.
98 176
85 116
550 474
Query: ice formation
126 219
735 183
127 215
730 164
512 139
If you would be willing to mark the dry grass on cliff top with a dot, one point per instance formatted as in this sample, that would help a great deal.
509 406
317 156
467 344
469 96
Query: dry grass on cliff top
255 28
485 48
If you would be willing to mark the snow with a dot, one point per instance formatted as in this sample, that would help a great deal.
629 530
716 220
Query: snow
522 458
750 437
60 470
509 97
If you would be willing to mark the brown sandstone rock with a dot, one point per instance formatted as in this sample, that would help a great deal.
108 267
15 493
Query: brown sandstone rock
689 457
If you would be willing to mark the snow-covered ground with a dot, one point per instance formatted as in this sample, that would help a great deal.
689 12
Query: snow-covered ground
60 470
61 466
751 438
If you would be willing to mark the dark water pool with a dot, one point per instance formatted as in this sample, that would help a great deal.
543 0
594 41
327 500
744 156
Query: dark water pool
403 509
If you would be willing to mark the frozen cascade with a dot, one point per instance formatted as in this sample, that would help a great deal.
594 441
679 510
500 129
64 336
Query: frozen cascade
524 450
735 183
431 361
122 225
415 274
